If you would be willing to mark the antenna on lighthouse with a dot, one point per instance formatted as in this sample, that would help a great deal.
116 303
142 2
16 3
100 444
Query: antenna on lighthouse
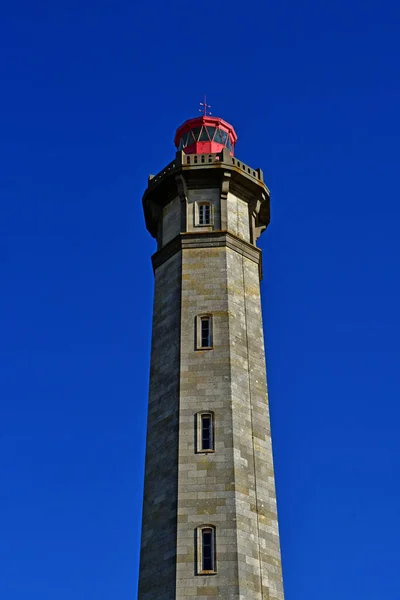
204 107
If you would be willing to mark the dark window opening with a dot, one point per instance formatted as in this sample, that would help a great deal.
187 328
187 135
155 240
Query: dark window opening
206 432
205 332
207 550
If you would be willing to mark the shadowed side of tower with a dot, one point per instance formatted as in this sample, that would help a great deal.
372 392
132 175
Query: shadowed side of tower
209 519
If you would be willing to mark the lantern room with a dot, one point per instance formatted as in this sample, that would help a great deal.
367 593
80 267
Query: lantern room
205 135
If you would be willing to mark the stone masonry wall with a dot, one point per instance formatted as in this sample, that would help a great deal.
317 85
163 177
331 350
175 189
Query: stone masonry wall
171 225
232 489
206 481
256 515
238 217
158 548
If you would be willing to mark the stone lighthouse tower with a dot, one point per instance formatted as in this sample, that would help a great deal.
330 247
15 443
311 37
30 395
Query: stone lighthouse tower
210 525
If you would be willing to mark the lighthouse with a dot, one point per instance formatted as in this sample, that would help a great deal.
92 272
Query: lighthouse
210 525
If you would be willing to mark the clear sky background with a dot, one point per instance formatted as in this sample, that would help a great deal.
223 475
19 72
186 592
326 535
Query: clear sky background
91 94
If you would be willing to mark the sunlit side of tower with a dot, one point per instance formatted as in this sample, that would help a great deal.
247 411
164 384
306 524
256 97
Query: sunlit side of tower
210 525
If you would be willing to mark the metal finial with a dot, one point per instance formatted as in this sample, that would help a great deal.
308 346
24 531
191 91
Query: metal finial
204 107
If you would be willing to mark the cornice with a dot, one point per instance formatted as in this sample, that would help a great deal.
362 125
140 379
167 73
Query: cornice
214 239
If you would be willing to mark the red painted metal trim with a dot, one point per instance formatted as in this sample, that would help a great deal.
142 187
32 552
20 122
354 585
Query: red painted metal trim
204 148
208 121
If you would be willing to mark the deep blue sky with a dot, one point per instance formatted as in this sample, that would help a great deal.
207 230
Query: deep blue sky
92 92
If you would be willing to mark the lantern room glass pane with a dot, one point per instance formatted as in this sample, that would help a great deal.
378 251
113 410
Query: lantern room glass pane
190 139
218 137
204 135
196 133
211 131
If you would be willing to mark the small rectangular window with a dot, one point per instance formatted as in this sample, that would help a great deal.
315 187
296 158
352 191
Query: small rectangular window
205 213
204 336
206 555
207 550
205 432
205 332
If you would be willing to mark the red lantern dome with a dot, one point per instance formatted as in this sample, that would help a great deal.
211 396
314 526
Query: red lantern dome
205 135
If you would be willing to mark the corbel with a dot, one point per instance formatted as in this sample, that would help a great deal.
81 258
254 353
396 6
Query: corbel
182 190
254 209
157 217
226 178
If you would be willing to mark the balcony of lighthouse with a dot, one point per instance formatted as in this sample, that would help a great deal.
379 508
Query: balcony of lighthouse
218 159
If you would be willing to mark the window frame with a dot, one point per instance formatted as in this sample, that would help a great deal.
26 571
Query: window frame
211 214
199 331
200 531
199 432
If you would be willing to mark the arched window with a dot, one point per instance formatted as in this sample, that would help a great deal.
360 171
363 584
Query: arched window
206 550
